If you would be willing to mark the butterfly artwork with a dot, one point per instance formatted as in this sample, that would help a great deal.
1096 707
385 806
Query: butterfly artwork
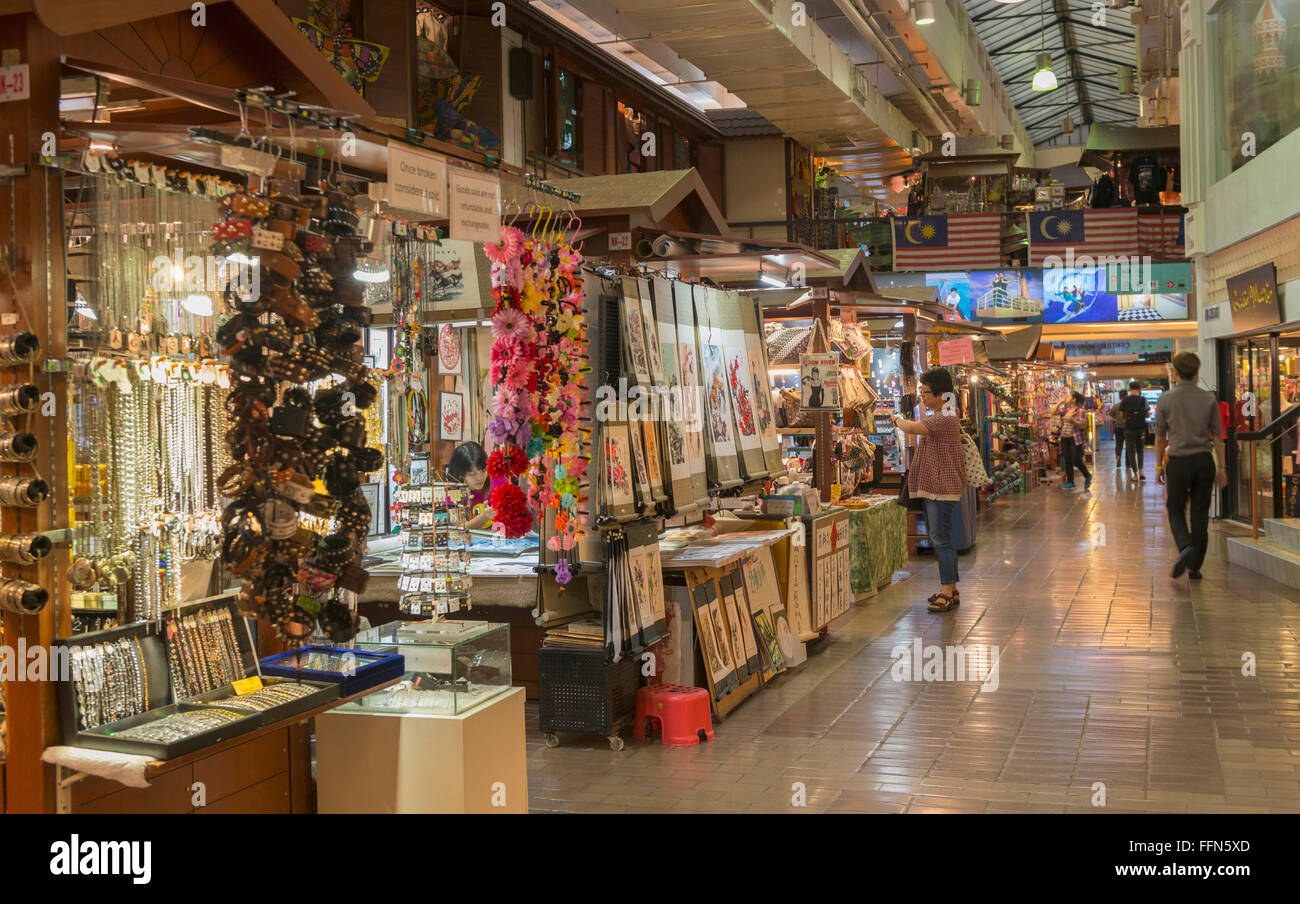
357 61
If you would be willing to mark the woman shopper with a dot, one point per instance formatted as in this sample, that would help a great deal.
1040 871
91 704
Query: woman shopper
1073 421
938 475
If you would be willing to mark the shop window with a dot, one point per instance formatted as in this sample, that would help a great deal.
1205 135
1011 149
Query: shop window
1254 48
569 104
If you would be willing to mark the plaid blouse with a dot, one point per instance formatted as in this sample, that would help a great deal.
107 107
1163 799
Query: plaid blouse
938 468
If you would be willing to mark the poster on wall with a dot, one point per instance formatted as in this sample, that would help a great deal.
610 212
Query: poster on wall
1007 296
1076 294
449 276
953 290
819 381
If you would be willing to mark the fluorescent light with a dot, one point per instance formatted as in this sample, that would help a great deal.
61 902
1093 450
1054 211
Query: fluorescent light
198 305
1044 77
768 279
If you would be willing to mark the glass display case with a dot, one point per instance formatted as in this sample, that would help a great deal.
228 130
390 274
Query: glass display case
451 666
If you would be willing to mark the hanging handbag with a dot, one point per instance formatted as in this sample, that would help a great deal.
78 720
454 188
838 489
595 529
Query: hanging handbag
976 476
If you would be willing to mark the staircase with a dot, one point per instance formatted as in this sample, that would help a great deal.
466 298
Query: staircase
1275 555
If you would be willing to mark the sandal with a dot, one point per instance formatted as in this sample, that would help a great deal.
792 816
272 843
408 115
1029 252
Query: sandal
943 603
956 597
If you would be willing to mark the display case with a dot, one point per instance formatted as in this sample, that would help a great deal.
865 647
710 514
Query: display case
451 666
165 689
354 671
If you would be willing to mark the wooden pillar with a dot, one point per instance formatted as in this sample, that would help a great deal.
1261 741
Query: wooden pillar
825 442
32 247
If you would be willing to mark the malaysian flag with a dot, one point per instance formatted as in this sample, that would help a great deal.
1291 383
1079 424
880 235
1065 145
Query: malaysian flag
1160 235
1090 233
962 241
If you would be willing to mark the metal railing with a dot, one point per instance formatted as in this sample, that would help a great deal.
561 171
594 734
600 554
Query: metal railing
1269 434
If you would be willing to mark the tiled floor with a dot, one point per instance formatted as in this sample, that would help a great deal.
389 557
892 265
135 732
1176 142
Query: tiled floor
1113 681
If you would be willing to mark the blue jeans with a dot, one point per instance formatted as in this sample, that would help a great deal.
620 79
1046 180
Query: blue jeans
938 521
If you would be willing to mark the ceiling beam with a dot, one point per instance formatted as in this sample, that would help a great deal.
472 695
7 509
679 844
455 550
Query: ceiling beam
1067 35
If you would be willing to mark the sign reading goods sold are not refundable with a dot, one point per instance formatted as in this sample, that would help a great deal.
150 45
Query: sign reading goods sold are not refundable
1253 298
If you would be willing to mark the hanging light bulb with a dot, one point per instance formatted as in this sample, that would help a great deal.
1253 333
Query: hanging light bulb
1044 77
923 12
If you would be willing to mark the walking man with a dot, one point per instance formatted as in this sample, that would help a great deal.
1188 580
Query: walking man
1117 428
1187 423
1133 420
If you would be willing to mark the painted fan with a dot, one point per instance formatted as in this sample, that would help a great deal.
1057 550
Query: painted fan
357 61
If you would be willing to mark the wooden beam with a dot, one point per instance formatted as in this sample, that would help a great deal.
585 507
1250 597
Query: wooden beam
37 294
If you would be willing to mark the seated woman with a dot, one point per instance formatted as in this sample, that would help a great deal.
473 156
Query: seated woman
468 465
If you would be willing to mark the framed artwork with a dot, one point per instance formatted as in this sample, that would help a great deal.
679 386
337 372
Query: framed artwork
449 352
377 511
417 415
451 416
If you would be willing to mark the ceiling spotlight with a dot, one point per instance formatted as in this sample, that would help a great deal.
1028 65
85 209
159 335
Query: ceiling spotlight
922 12
1044 77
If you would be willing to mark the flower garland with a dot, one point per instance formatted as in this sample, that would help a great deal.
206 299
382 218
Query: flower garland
539 356
514 354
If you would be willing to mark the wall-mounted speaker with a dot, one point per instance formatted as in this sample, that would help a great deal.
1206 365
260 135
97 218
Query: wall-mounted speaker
520 64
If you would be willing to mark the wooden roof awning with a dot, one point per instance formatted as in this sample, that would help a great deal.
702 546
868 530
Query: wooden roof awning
659 200
734 260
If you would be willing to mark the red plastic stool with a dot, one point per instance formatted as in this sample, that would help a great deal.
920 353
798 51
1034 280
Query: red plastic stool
682 713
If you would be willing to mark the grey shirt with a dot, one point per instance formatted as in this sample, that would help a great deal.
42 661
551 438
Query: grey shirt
1188 417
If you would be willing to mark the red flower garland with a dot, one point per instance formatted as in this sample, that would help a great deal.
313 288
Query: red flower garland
511 510
507 462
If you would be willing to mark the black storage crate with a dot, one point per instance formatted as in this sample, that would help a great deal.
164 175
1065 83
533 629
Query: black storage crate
582 693
165 700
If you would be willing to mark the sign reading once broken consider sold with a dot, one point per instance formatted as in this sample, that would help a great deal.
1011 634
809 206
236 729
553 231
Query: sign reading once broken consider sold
417 181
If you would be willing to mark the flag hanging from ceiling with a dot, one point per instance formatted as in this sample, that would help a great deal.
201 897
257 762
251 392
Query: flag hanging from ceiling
961 241
1089 233
1160 235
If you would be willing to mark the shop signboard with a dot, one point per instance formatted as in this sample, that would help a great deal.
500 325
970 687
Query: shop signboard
956 351
417 181
475 206
1253 297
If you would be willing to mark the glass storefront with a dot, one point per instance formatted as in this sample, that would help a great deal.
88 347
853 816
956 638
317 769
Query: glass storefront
1262 382
1254 48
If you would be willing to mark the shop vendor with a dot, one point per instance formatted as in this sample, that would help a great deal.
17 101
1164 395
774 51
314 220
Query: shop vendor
468 465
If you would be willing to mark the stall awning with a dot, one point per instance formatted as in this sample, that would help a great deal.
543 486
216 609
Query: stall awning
668 198
1109 139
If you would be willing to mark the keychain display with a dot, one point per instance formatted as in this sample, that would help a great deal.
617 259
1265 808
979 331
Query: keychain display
435 553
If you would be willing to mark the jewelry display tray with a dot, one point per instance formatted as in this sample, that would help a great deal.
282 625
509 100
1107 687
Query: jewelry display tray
367 669
162 697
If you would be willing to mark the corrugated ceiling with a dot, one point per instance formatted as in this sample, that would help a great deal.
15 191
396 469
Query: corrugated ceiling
1085 58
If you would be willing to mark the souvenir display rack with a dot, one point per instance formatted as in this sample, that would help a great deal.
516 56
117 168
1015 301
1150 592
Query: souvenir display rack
1009 456
435 545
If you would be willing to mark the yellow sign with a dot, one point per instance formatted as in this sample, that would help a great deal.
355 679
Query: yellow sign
247 685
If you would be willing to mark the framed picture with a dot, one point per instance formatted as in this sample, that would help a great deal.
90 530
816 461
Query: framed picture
377 511
449 353
451 416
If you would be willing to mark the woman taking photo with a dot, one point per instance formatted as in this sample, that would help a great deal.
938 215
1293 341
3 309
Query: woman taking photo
938 475
1073 422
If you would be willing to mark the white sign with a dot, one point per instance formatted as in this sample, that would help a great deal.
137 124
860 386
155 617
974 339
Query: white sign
620 241
417 181
15 83
475 206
